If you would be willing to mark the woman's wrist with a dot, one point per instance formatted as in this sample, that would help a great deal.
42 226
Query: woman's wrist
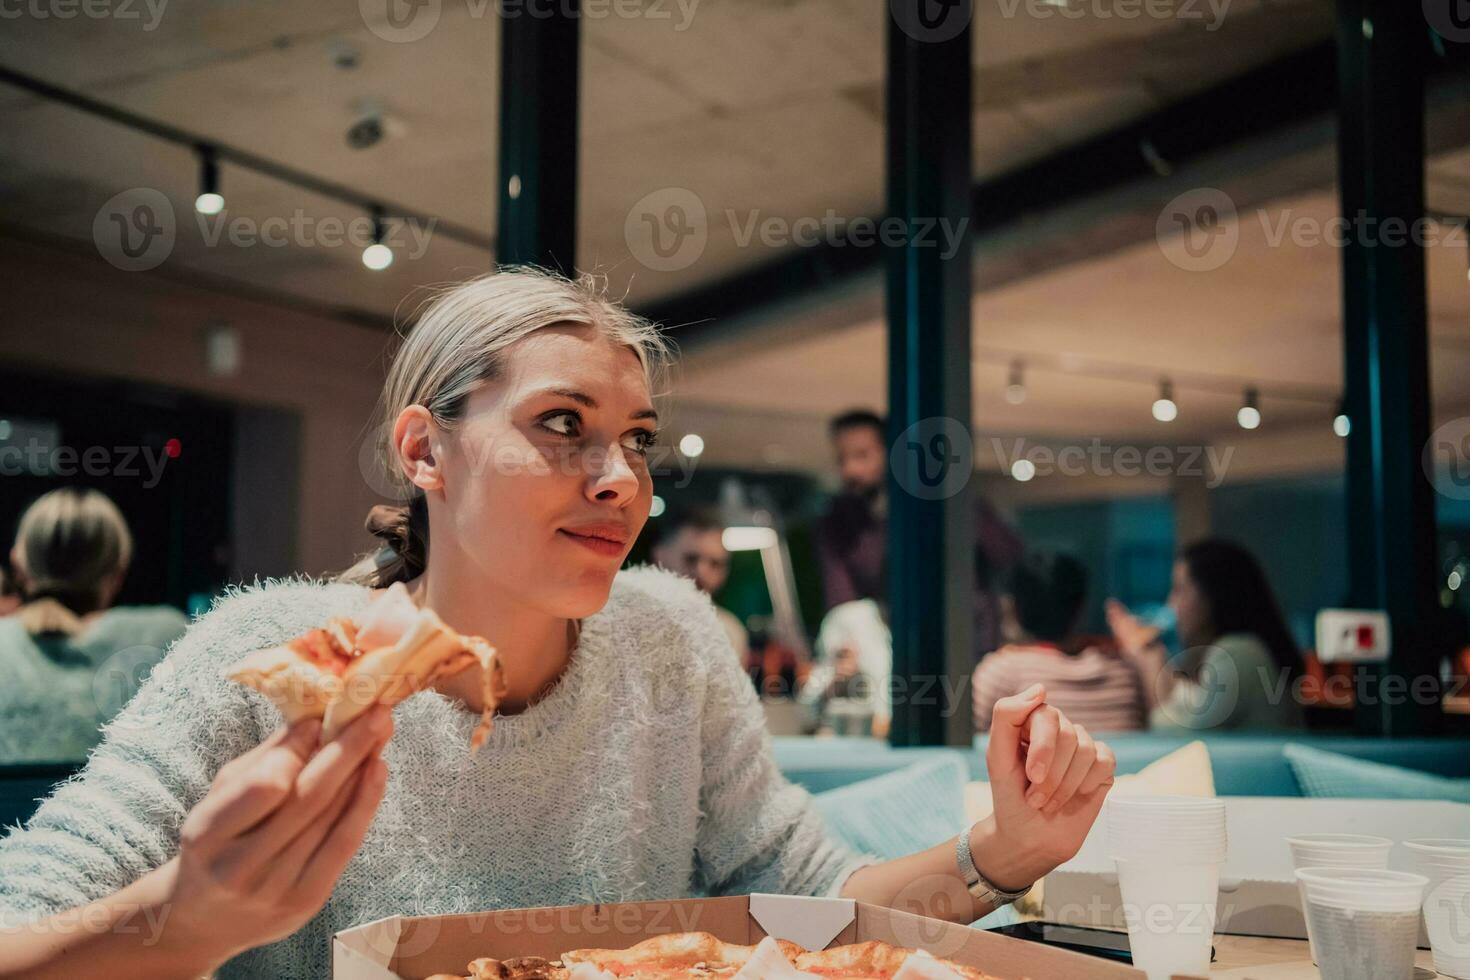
1008 865
176 944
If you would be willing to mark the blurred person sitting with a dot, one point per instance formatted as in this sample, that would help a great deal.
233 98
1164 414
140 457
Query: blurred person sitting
9 598
849 688
1239 661
852 537
691 543
1040 611
70 662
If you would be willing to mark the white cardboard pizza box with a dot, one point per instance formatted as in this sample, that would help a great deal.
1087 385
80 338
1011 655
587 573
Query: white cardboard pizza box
1258 889
411 948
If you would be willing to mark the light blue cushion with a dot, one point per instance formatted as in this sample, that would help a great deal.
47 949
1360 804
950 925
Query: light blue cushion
899 812
1331 775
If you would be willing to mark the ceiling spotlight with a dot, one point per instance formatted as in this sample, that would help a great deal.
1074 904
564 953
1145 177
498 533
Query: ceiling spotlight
657 507
1016 387
210 201
1023 470
1165 410
1249 415
378 256
1341 424
691 445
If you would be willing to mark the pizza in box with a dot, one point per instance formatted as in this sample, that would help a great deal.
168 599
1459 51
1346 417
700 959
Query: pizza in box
695 955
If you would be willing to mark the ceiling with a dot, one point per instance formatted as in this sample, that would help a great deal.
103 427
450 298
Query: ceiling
760 109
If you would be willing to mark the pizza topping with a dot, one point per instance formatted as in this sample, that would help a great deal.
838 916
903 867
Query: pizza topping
920 965
319 646
768 962
702 956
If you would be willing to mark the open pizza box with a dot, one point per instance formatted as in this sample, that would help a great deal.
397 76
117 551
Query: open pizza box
1258 889
411 948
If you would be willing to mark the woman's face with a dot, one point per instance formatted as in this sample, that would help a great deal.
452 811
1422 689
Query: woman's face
1191 608
545 481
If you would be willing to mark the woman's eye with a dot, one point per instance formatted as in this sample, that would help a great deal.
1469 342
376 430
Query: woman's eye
640 442
562 423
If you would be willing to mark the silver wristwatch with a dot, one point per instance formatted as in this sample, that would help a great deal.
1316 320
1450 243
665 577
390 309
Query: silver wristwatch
977 884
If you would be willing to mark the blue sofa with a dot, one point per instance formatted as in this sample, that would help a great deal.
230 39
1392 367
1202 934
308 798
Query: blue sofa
1244 764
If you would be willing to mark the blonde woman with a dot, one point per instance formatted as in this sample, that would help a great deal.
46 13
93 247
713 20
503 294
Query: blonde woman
630 760
69 658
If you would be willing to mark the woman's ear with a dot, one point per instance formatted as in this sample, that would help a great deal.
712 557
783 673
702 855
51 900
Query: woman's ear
415 435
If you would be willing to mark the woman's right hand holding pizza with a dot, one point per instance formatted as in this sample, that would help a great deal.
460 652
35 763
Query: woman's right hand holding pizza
261 852
258 857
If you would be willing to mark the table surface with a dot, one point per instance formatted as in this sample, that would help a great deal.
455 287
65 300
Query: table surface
1242 957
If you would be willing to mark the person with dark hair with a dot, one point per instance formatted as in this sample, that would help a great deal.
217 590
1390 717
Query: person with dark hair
69 658
1040 611
852 538
1239 658
691 543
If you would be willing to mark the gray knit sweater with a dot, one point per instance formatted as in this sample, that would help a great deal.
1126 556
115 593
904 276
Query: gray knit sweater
645 773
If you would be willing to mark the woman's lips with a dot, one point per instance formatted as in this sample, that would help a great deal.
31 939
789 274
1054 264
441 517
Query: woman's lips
607 542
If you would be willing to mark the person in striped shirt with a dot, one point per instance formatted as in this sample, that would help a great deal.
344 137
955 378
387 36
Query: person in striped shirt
1097 689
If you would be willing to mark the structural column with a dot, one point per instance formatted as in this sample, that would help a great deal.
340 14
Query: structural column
539 57
1382 48
931 541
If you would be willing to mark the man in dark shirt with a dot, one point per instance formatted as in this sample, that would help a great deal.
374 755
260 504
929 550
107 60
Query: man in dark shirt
852 538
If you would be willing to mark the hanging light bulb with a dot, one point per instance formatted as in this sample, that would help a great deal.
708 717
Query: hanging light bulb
210 201
1249 415
1341 424
1016 387
1165 410
377 256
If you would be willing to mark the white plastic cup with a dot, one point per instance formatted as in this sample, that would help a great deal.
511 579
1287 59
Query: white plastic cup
1339 851
1168 852
1363 922
1335 851
1446 863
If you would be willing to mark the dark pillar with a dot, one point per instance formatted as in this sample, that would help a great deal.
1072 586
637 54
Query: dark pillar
931 536
537 219
1382 48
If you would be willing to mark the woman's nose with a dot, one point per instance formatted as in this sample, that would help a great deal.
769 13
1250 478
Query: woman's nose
614 481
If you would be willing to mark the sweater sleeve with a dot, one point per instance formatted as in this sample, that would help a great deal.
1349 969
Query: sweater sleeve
757 831
121 815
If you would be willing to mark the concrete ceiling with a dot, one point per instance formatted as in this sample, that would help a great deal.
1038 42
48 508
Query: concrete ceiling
761 107
770 108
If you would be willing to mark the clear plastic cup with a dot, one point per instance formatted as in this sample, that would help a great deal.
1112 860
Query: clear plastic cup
1168 852
1446 863
1363 923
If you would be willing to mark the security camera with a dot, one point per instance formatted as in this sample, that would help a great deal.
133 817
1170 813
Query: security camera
365 131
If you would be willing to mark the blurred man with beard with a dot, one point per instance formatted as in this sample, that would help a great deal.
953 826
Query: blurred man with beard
852 539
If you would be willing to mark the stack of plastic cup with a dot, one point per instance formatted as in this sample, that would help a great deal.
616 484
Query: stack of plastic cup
1336 851
1446 863
1168 850
1339 851
1363 922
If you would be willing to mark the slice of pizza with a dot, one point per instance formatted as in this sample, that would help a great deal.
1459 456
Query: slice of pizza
393 650
696 953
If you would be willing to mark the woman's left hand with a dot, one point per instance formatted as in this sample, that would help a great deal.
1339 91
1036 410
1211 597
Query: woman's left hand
1048 778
